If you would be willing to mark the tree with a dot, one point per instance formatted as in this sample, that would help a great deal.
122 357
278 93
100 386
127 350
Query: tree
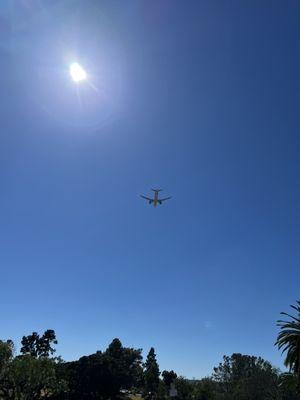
288 340
205 389
37 346
45 342
33 378
184 388
288 385
6 356
124 365
6 353
103 374
168 377
151 374
244 377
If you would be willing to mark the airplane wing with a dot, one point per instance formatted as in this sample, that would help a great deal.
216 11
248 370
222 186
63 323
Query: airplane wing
166 198
147 198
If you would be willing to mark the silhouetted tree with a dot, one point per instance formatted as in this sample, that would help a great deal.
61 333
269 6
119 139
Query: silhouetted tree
151 374
168 377
288 340
34 375
124 365
103 375
37 346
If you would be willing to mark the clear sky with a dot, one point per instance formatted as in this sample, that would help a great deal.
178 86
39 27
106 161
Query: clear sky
200 98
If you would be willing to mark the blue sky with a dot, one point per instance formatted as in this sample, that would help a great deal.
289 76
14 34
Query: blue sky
200 98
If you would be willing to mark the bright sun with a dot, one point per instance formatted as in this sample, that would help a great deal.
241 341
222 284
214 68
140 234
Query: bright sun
77 73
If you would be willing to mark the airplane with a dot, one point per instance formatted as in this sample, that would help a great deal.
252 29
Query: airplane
155 200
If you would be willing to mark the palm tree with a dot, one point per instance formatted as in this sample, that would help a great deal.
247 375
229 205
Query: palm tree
288 340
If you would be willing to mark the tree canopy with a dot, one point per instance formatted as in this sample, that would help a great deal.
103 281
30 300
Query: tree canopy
246 377
39 346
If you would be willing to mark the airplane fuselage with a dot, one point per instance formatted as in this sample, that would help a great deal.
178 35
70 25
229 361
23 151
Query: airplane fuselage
155 200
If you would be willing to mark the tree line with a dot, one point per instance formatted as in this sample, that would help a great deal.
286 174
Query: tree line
120 372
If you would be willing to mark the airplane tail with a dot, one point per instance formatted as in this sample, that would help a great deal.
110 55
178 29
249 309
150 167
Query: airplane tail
156 190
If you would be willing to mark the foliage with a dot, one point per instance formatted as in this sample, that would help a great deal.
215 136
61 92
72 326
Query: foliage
168 377
103 375
31 375
288 385
6 355
39 346
33 378
205 389
246 377
151 374
125 364
118 373
288 340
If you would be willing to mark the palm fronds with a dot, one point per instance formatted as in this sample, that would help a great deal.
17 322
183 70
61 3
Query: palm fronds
288 340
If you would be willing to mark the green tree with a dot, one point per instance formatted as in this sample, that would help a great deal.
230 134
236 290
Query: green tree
185 389
6 356
288 385
205 389
151 374
39 346
244 377
31 378
288 340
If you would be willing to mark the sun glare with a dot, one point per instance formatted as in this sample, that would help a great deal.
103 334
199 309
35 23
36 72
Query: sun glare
77 73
